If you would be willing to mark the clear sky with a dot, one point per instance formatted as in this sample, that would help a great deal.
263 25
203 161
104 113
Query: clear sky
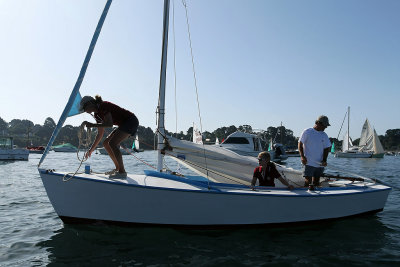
258 62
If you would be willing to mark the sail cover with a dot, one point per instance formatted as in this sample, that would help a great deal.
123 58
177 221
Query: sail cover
71 108
219 164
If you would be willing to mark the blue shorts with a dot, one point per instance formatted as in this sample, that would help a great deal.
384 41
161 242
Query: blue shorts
310 171
130 126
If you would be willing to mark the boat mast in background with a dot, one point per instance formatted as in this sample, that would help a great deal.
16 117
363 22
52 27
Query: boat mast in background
348 126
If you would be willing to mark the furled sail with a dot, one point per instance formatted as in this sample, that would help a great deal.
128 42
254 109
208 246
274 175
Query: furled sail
222 165
72 107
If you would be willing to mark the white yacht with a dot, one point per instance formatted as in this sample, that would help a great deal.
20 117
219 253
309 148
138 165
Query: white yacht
250 145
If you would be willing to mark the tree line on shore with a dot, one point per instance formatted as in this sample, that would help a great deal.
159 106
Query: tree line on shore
26 133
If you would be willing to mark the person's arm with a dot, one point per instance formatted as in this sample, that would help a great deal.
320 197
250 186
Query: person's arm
253 182
325 156
107 122
99 136
283 181
301 152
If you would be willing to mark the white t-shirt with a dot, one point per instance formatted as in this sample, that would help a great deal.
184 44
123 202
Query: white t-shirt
314 143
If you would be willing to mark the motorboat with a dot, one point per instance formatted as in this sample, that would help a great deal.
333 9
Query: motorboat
248 144
9 152
67 147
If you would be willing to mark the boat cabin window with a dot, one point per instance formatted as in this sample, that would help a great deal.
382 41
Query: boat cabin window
5 143
236 140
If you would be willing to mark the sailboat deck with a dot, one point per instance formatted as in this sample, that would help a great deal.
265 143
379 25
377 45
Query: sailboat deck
171 182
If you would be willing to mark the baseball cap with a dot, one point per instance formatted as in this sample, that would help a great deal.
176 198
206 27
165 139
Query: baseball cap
86 99
323 120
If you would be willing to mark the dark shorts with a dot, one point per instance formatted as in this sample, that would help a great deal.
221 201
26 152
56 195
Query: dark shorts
310 171
130 126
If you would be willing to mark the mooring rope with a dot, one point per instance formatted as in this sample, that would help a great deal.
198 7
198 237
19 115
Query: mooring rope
85 140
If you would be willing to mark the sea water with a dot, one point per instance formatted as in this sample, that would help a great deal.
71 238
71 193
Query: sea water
31 234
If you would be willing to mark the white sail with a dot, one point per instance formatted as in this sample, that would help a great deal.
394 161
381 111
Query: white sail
222 165
369 140
197 137
217 141
345 144
377 145
367 133
136 142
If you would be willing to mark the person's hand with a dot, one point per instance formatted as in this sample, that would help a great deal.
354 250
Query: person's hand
304 160
86 123
88 154
324 163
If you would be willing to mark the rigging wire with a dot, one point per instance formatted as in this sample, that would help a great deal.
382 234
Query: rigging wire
195 80
341 125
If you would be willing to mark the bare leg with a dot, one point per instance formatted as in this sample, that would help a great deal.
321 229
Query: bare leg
307 181
110 152
116 138
315 181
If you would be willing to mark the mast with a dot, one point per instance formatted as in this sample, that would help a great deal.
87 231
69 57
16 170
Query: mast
348 126
161 97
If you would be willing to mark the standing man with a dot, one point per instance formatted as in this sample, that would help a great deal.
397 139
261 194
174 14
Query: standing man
314 147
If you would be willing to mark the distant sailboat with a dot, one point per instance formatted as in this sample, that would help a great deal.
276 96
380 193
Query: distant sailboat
369 141
136 145
197 137
369 145
333 148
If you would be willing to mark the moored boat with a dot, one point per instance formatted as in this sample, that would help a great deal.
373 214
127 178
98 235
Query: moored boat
67 147
9 152
163 199
369 145
35 149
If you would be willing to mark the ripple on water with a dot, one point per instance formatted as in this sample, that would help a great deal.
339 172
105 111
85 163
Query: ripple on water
32 234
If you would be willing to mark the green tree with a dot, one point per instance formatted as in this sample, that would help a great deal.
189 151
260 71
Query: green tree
3 127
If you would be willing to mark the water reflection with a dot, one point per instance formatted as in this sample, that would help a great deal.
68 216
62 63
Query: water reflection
350 241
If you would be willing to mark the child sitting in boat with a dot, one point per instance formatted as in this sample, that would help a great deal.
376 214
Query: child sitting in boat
266 173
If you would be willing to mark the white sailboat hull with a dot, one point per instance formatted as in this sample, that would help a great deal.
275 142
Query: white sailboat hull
172 201
353 154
